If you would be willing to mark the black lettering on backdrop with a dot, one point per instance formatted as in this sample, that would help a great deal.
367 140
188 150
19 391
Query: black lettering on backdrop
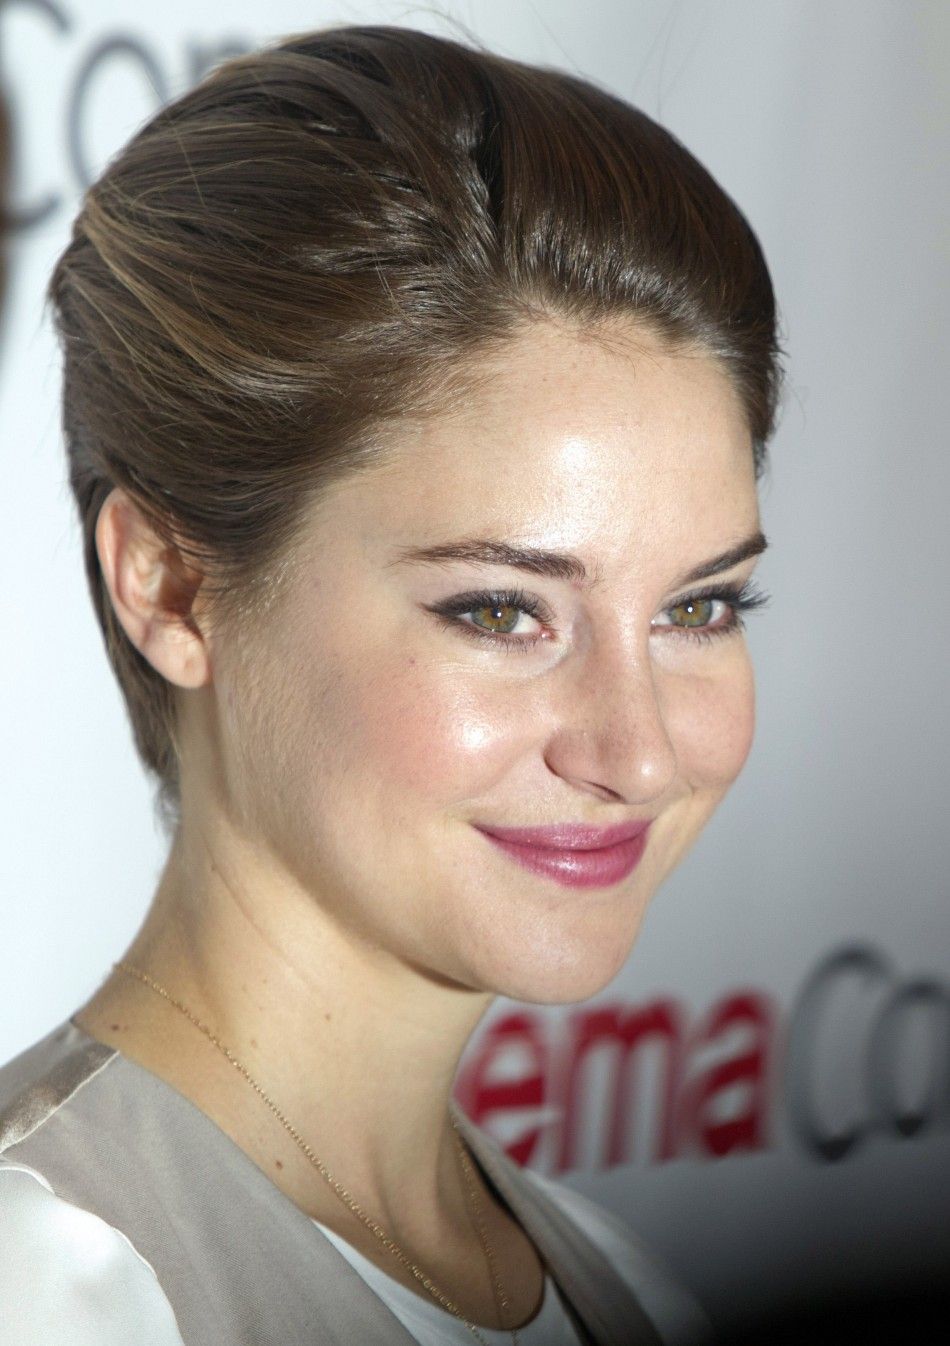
134 53
29 216
886 1049
856 962
127 48
882 1051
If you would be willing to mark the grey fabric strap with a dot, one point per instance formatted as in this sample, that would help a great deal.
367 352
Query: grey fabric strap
240 1263
607 1310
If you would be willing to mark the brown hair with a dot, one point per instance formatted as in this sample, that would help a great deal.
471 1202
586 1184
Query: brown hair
316 240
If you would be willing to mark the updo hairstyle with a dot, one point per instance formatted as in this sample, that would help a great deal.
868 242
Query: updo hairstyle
326 236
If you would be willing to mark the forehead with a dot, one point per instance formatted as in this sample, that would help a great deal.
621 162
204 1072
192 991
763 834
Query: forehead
564 440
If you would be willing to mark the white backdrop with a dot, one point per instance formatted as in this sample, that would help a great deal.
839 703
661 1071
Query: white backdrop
796 1134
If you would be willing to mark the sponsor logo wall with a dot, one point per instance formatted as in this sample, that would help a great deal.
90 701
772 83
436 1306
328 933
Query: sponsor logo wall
741 1075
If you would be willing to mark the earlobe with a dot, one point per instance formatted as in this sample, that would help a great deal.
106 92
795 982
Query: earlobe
152 590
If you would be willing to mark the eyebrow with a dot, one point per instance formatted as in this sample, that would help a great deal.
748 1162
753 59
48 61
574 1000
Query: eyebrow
555 564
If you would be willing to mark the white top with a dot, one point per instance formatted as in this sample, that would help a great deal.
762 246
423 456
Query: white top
431 1325
68 1278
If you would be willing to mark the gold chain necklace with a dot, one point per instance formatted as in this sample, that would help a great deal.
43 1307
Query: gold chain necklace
502 1301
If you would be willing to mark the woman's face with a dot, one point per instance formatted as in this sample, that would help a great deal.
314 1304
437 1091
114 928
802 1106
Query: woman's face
369 737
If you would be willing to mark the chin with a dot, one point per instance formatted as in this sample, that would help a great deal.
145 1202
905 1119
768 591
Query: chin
560 986
552 971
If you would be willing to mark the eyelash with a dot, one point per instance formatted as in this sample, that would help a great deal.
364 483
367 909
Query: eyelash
741 598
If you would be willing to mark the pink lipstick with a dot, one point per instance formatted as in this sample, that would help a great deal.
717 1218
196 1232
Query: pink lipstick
573 854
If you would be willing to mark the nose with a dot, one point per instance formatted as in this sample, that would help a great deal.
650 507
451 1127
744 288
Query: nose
610 735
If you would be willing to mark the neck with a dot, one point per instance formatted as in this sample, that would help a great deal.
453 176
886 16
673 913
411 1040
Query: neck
356 1048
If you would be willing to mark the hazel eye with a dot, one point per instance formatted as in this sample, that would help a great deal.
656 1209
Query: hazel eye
695 612
493 617
713 613
502 618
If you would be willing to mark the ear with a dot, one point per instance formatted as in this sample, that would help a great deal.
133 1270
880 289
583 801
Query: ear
153 592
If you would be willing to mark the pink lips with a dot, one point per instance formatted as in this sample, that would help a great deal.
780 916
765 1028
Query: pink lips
572 854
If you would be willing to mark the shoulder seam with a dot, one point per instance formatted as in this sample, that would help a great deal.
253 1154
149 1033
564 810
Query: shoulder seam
16 1122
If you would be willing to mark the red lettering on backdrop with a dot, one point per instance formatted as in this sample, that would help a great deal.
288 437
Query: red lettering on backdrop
480 1095
628 1029
745 1130
690 1115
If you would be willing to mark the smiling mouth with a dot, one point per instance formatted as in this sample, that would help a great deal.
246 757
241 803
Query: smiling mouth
575 857
569 836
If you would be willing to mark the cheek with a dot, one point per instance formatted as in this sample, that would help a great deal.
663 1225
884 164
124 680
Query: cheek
428 731
711 721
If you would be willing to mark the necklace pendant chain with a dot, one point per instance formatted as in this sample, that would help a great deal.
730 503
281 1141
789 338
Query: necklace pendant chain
502 1301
